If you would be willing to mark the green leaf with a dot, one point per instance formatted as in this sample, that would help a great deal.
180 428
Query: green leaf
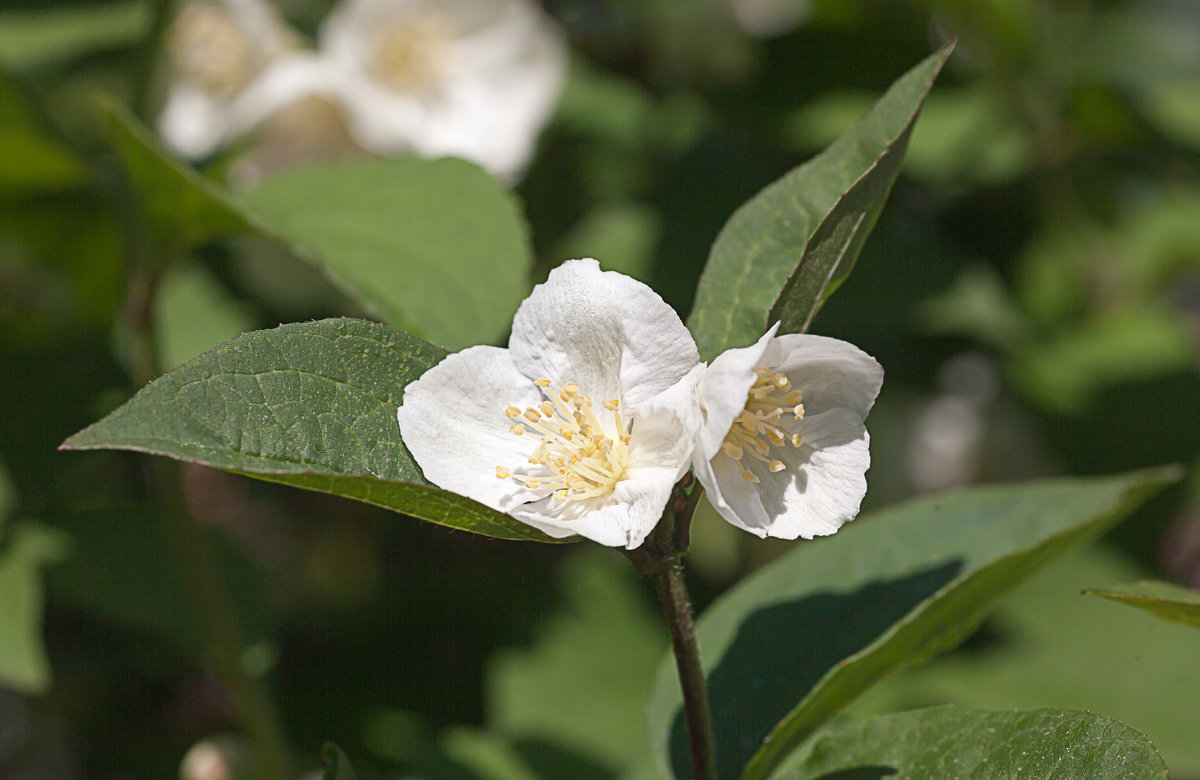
437 247
24 550
950 742
182 207
311 405
337 766
40 36
1136 669
802 233
1161 599
895 588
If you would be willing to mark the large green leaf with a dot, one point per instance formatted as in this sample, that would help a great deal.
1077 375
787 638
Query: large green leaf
437 247
1161 599
24 550
308 404
949 742
183 208
1136 668
893 589
802 233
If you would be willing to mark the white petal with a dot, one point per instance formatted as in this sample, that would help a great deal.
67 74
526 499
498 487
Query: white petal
263 25
724 389
192 122
288 80
505 69
452 421
611 335
828 372
820 488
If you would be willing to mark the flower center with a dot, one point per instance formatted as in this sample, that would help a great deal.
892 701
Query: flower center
583 461
411 56
210 48
759 427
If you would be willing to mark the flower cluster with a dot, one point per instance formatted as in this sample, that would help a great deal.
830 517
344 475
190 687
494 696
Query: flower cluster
468 78
600 405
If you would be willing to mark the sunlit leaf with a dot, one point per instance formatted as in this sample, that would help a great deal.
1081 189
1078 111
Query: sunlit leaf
952 742
802 234
436 247
893 589
1161 599
311 405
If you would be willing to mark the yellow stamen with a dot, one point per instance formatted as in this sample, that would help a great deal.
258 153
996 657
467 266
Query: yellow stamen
761 425
584 461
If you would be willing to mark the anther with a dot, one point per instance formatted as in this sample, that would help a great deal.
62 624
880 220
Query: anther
793 398
776 466
518 429
746 475
503 473
798 410
547 408
797 439
542 383
732 449
532 415
781 381
512 412
611 405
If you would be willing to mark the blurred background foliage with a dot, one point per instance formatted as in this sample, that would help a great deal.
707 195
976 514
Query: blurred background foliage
1032 289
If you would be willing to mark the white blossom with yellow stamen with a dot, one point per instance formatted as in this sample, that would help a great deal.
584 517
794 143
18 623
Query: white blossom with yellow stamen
782 450
217 48
582 426
475 79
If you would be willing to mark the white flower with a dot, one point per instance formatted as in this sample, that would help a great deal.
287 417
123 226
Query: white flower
782 450
218 49
582 426
770 18
468 78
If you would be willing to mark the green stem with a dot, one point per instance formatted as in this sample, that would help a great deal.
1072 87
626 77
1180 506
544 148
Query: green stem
661 556
672 593
161 13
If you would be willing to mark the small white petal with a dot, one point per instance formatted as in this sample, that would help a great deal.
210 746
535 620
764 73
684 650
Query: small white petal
452 421
829 372
723 391
193 123
609 333
286 81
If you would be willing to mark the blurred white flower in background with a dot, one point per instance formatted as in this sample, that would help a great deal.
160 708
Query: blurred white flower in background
469 78
476 79
217 49
770 18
